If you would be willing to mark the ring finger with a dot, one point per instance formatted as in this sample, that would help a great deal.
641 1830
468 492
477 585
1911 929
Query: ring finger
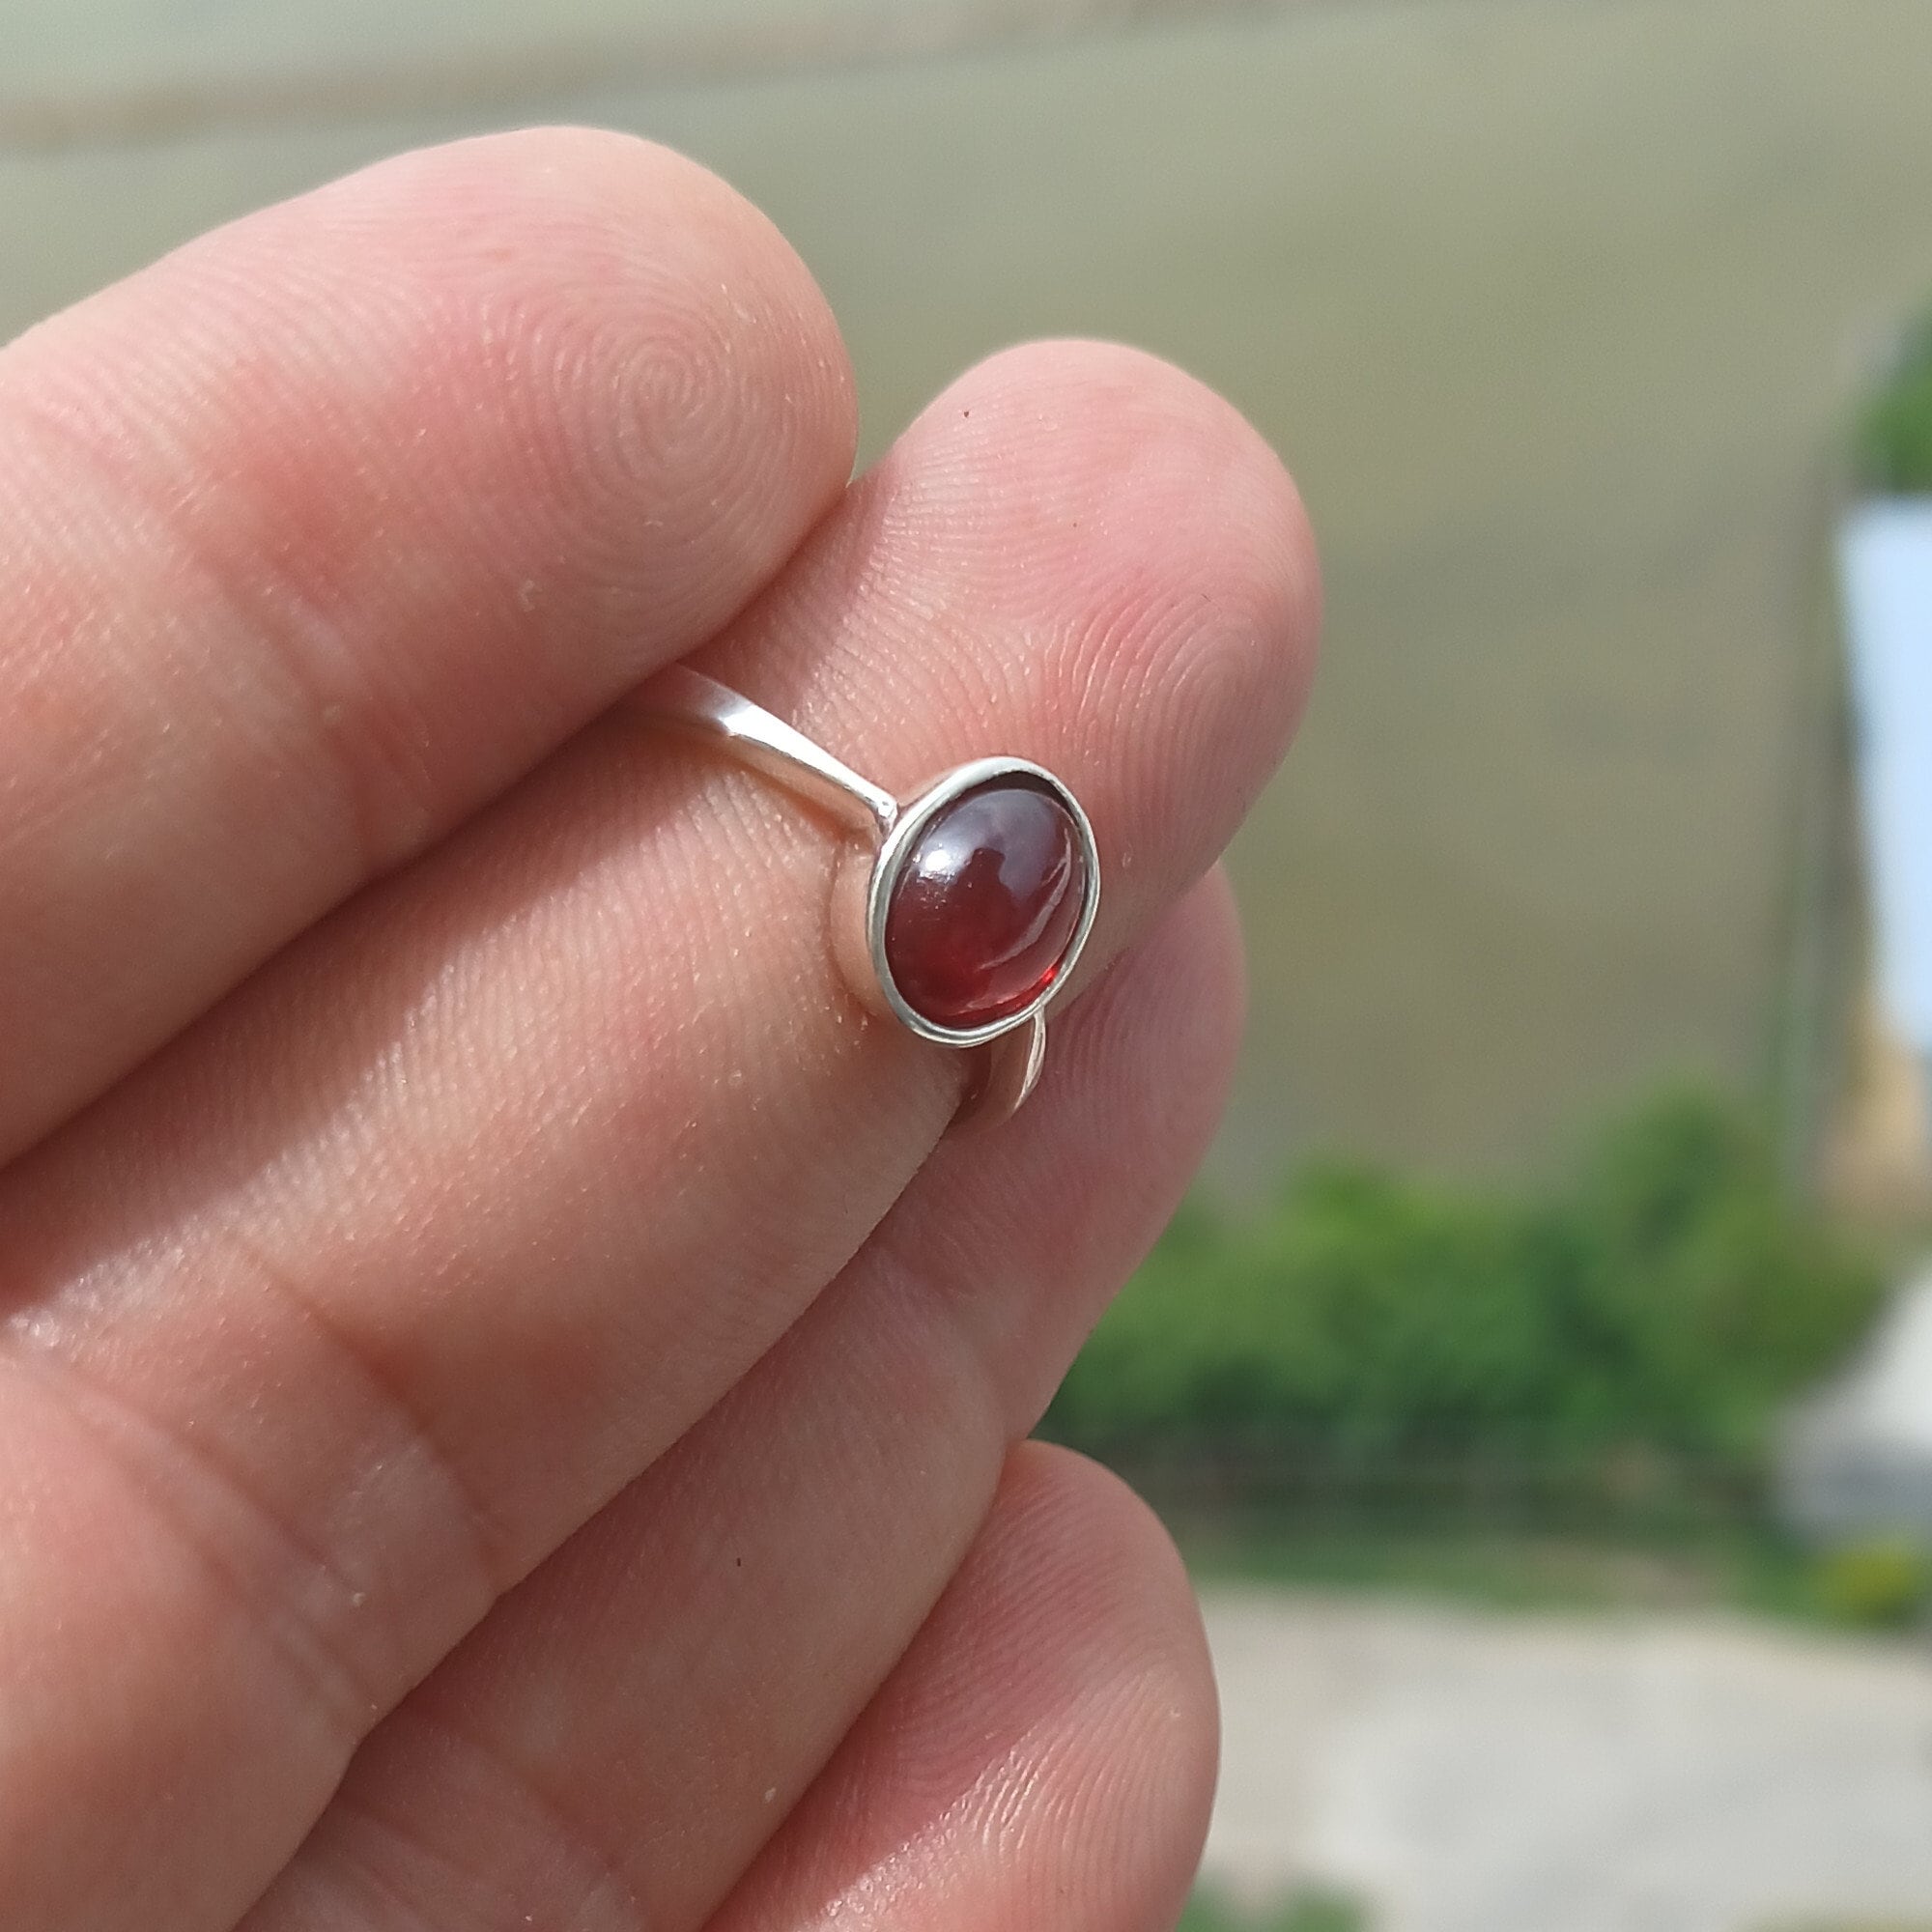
625 1730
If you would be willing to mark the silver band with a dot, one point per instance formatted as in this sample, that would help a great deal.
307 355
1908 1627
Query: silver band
891 830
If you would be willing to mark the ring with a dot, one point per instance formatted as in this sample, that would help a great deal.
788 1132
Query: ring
966 905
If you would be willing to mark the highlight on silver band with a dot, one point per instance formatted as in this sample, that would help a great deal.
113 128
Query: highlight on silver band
681 696
968 903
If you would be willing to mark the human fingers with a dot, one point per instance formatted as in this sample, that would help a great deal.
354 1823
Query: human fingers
321 531
621 1735
346 1311
1044 1755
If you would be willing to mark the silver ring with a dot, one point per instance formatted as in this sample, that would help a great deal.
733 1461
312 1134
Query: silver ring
965 906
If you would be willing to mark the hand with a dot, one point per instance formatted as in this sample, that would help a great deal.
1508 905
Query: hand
510 1401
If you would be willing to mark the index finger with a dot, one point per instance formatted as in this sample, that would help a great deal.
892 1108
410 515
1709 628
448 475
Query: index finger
319 532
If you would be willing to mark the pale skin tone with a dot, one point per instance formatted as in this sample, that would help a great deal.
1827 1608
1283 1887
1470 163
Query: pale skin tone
512 1406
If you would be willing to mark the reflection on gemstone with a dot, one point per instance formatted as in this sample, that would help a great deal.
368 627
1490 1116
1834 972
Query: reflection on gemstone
986 904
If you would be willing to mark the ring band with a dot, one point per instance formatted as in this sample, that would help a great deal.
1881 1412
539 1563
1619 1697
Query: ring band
967 903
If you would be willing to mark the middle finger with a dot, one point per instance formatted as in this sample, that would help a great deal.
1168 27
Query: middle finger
632 1723
472 1203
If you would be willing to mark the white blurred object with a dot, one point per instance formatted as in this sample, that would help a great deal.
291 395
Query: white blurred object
1885 555
1858 1455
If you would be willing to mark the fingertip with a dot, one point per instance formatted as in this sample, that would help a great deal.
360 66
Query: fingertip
1095 1545
323 530
1089 542
1150 494
665 306
1094 1652
581 362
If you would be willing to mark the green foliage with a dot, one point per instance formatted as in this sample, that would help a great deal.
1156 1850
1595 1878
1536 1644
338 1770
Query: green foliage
1884 1584
1661 1302
1306 1912
1739 1567
1893 440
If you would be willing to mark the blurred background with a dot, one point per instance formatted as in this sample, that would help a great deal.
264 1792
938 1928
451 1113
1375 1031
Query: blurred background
1538 1381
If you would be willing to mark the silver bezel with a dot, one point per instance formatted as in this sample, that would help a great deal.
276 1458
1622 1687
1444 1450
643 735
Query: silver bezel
862 884
913 817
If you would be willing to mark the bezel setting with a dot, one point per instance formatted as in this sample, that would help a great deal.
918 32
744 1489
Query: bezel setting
909 826
883 834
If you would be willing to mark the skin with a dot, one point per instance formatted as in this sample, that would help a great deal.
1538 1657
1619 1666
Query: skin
512 1408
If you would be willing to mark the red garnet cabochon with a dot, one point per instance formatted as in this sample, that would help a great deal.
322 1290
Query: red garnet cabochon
985 904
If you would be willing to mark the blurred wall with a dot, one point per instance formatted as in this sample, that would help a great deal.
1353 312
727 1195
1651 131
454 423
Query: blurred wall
1553 308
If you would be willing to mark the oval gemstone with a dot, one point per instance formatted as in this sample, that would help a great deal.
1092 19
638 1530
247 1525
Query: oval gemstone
986 904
